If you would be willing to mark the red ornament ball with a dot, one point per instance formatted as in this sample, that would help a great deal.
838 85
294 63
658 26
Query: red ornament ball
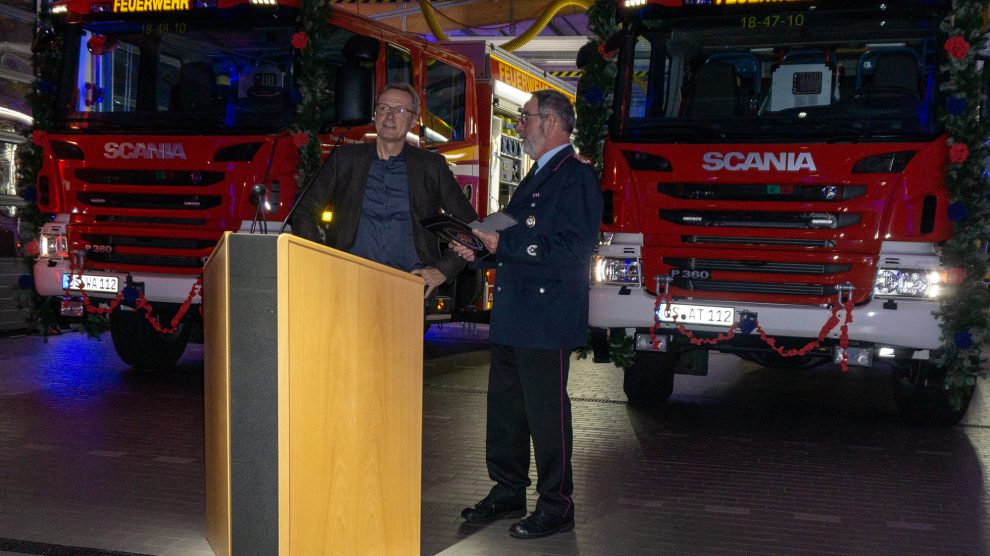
958 153
300 138
957 47
300 40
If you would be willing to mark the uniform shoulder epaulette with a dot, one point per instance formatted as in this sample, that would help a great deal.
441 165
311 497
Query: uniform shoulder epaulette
573 155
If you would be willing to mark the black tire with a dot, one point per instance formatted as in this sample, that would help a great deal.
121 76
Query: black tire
921 397
141 346
650 379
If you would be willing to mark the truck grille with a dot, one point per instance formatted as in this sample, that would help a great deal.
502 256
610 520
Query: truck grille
789 220
118 259
762 242
757 266
768 288
150 202
749 240
105 218
777 193
187 178
155 250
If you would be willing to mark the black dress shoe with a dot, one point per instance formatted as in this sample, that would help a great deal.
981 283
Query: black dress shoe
489 510
541 524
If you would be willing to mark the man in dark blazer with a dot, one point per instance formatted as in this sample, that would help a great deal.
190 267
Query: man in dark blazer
380 191
539 315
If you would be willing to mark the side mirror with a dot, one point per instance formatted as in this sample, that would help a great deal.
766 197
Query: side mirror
360 49
585 53
615 41
354 82
352 96
606 50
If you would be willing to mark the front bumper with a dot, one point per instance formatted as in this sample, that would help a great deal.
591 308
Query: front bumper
911 325
163 288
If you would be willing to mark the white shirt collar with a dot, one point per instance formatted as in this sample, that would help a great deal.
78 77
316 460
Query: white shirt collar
545 159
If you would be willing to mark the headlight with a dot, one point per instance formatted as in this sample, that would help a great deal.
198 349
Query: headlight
54 246
908 282
621 272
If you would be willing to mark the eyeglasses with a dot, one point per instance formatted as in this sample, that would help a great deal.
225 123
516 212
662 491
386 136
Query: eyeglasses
397 111
527 115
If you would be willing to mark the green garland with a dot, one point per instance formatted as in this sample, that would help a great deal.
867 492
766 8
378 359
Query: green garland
593 103
47 60
964 315
315 89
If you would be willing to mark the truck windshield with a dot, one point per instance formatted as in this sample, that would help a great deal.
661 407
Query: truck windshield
798 76
182 76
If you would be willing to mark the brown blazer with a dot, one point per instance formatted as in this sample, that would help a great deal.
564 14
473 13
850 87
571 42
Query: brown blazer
341 180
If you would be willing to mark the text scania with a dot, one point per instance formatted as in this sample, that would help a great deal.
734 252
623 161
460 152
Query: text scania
161 151
764 162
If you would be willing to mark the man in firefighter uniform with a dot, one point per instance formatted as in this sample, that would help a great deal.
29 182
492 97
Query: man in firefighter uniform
539 315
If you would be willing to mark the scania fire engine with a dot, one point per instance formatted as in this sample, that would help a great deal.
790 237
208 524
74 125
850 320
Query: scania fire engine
172 125
770 167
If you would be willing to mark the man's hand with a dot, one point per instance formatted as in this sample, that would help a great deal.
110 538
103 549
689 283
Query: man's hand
465 253
431 276
489 239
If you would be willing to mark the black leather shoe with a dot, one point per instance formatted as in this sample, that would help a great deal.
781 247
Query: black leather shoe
541 524
488 510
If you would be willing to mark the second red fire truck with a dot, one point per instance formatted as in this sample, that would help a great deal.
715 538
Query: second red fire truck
772 166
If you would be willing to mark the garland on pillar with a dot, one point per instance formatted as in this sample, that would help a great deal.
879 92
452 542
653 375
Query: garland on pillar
593 103
314 96
47 60
964 308
593 107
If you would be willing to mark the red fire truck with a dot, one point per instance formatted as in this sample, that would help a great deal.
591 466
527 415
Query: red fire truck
769 162
173 126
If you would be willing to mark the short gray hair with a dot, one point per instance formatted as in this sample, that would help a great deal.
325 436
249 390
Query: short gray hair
405 88
555 102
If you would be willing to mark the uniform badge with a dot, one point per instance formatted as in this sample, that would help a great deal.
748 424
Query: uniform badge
530 221
531 250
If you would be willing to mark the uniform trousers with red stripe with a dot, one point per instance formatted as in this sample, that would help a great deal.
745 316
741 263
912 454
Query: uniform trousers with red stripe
527 398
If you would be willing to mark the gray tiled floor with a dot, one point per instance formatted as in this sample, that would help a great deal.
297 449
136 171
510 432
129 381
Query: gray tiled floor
747 460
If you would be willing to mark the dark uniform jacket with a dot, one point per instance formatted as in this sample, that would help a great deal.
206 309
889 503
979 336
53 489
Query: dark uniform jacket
341 180
542 263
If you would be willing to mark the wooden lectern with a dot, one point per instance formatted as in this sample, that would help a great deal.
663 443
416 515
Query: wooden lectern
313 394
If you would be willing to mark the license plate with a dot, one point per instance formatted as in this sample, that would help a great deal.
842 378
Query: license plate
697 314
91 282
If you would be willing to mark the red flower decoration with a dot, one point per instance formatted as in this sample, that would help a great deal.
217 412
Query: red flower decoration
957 47
32 248
608 55
958 153
300 138
300 40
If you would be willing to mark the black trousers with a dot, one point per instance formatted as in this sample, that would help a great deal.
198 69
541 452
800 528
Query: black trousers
527 397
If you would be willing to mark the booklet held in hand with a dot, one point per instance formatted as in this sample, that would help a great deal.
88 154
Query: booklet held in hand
449 229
